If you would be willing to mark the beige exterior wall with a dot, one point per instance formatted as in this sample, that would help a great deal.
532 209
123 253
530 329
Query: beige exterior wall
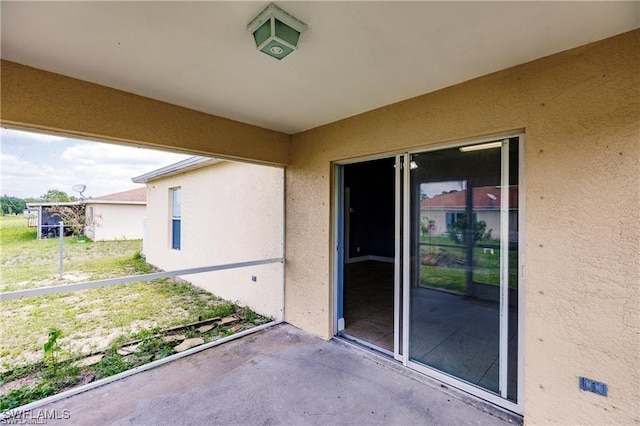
42 100
580 112
117 221
231 212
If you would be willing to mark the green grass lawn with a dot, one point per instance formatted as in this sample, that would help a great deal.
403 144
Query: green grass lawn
29 263
486 266
90 320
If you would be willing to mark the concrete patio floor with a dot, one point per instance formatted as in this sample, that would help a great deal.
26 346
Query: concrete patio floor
277 376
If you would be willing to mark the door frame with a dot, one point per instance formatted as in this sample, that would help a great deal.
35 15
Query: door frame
402 278
338 241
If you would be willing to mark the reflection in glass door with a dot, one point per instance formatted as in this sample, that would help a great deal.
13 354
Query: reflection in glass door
463 256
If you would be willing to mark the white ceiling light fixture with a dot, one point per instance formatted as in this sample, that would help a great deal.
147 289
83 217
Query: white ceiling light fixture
276 32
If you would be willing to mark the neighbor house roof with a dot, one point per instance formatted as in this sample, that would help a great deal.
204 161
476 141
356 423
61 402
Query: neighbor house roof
484 198
133 196
183 166
53 203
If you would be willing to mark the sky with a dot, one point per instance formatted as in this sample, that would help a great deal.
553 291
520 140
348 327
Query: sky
32 163
432 189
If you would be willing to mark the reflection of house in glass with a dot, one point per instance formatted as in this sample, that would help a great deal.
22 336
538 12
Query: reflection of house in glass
448 208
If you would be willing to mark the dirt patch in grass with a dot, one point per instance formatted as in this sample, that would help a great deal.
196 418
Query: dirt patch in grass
39 380
92 319
30 380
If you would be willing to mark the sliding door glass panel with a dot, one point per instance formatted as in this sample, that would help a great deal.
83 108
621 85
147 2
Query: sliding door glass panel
454 316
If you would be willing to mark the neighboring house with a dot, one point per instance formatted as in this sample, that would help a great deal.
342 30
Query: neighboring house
109 217
204 212
116 216
445 209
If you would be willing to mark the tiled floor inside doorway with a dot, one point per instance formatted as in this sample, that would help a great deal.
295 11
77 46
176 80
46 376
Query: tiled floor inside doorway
368 302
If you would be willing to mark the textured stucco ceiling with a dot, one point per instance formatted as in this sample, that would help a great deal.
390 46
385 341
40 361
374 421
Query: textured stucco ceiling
356 56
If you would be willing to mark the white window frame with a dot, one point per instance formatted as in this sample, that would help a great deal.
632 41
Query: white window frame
176 216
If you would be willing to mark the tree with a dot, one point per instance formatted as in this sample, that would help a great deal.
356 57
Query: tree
477 233
55 196
12 205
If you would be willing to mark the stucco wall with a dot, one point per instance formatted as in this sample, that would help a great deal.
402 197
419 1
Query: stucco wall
231 212
42 100
117 221
581 115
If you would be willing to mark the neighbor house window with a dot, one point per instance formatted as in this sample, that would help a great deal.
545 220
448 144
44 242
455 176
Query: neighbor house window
175 218
454 218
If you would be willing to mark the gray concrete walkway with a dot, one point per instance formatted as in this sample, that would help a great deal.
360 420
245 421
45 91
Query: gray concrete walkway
278 376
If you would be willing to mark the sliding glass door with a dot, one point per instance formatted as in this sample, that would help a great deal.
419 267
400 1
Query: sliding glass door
463 256
428 261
